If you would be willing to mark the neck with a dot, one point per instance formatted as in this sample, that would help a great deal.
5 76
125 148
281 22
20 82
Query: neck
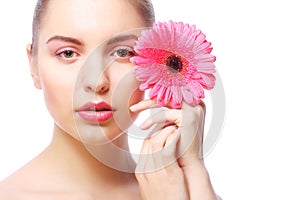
95 164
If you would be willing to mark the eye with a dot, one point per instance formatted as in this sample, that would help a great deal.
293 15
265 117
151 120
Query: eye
122 53
67 54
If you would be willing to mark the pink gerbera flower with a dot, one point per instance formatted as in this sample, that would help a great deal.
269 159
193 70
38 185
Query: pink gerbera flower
175 63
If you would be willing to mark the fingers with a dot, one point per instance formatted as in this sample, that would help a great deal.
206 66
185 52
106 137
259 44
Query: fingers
188 115
175 132
149 103
159 150
158 173
158 141
163 116
143 105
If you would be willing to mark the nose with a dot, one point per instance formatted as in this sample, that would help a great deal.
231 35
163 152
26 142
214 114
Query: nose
96 75
100 86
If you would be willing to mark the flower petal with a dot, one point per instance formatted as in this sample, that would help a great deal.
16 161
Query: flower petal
208 81
154 91
187 94
177 93
155 47
197 89
168 96
206 67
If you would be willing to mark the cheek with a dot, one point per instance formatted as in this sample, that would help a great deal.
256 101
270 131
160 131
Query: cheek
124 94
136 97
125 88
58 94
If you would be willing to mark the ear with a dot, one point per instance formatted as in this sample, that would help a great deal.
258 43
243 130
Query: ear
33 67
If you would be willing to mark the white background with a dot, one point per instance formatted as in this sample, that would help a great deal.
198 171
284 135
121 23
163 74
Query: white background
257 47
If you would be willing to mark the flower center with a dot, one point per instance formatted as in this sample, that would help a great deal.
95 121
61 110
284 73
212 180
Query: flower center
174 63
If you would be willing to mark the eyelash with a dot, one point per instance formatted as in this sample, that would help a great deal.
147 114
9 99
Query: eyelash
126 53
62 54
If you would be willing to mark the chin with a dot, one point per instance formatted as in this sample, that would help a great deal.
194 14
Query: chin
99 135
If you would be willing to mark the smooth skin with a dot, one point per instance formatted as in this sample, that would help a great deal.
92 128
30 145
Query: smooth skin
187 178
66 169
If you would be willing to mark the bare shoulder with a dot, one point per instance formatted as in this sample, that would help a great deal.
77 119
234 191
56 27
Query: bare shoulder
19 185
5 195
15 187
8 191
28 184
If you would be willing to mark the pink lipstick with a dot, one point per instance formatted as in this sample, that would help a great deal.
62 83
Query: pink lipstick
95 112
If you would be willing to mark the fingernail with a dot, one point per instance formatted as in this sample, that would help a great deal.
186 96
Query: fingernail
133 107
143 125
175 137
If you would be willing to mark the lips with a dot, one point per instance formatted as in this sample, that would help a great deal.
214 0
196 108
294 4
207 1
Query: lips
95 112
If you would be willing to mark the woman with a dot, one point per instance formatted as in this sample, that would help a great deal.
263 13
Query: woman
79 57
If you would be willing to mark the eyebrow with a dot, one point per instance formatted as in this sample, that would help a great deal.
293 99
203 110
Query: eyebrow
121 38
65 39
113 40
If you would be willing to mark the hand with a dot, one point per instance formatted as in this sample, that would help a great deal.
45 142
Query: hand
169 157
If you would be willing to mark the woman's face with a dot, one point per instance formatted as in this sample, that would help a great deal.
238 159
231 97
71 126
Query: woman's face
82 65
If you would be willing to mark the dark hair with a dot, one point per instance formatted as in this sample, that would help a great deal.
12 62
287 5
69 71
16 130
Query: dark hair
144 8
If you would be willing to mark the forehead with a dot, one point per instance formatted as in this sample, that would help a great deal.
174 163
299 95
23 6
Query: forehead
89 19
